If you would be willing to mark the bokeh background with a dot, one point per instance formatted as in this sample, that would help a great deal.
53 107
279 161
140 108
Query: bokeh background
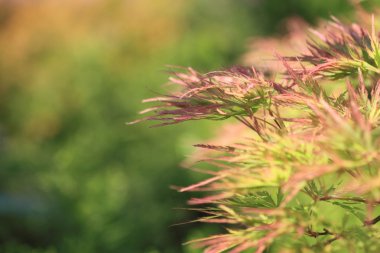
73 176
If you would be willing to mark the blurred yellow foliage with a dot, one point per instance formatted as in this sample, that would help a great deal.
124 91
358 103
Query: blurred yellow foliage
30 26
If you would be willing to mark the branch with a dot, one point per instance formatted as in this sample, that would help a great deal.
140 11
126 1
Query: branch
315 234
372 222
332 239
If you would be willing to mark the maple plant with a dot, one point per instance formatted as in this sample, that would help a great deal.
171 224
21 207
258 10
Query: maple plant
305 176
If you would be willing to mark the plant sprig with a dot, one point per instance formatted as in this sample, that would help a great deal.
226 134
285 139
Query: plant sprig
310 149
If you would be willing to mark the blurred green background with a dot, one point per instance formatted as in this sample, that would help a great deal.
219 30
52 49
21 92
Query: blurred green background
73 176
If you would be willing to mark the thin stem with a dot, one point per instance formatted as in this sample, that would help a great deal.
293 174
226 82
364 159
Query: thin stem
332 239
315 234
372 222
354 199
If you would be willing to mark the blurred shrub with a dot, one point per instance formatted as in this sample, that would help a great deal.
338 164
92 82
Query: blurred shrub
73 175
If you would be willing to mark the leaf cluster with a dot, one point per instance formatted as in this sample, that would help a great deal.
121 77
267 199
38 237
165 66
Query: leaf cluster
306 177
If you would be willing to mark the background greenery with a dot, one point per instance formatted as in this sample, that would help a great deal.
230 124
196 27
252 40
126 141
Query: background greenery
73 176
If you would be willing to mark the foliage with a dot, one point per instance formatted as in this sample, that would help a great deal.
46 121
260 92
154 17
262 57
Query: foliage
305 176
73 177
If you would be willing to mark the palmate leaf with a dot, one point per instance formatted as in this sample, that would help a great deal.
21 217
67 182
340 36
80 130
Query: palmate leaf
257 199
353 208
311 144
342 51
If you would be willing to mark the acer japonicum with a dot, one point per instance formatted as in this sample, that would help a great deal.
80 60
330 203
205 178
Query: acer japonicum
305 174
